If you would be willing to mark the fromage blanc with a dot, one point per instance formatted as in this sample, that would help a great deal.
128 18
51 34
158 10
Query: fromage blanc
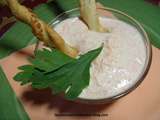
121 61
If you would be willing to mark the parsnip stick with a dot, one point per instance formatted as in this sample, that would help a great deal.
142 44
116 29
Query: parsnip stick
40 29
89 15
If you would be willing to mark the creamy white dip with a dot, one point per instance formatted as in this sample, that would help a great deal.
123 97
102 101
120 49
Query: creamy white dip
119 64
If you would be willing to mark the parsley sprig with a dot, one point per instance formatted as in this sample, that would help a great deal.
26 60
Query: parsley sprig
53 69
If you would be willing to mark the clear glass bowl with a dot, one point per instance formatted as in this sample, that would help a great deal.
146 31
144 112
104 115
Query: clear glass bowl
109 12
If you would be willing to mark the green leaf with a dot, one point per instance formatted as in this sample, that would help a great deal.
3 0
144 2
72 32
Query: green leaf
65 74
24 77
26 68
47 60
10 106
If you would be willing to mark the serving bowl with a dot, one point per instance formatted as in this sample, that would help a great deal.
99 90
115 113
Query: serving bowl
112 14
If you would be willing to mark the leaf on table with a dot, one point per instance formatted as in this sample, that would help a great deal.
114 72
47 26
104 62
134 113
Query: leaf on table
10 106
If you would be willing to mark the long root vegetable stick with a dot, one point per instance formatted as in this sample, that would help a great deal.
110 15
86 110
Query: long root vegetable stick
40 29
89 15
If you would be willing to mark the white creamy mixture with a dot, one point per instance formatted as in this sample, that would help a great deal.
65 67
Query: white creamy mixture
119 64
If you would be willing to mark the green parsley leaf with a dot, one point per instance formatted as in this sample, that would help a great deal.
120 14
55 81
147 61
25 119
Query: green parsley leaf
50 60
55 70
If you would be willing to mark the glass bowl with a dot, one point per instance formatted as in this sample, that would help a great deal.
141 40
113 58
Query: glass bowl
113 14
